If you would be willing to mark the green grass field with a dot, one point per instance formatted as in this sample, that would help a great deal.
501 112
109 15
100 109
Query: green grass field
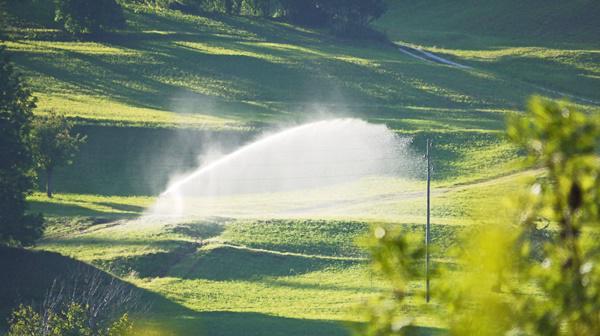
551 45
155 96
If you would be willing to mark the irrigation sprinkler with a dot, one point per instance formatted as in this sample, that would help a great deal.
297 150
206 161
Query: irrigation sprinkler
428 225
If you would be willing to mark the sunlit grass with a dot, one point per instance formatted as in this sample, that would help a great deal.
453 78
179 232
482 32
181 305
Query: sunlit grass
273 267
103 110
234 71
537 45
284 255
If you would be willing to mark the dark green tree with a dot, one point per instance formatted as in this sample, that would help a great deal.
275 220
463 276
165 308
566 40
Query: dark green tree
308 12
3 18
16 160
89 16
348 17
54 145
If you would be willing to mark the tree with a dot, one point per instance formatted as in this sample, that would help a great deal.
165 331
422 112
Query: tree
308 12
348 17
343 16
89 16
54 145
16 160
3 19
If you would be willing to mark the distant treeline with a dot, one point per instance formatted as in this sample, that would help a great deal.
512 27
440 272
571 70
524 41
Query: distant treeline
348 18
345 17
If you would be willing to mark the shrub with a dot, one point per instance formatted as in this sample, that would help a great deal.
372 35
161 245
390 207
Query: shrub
89 16
86 303
73 321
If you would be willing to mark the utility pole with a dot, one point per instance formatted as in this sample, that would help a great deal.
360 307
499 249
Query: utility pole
428 225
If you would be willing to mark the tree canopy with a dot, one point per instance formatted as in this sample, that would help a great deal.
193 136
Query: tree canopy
342 15
345 17
89 16
53 144
16 163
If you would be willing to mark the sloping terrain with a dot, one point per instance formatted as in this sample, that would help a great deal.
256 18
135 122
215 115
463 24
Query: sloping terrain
275 276
169 69
155 96
552 45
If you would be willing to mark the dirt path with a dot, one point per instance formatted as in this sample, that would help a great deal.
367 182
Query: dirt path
427 56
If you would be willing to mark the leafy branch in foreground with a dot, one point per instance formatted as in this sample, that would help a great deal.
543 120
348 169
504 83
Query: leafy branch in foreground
535 272
396 256
565 143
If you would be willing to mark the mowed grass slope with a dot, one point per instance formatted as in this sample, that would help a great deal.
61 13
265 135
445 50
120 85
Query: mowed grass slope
170 68
552 45
273 276
225 79
243 75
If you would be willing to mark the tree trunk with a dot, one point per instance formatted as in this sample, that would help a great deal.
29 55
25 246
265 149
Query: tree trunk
49 182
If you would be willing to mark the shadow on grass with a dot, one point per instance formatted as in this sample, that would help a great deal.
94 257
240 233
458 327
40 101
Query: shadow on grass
27 275
231 263
221 263
56 209
133 209
135 161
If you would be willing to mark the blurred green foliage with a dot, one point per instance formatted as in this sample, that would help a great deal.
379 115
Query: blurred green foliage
533 268
73 321
565 143
397 256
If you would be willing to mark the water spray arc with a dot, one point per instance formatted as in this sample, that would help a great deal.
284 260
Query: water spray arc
304 157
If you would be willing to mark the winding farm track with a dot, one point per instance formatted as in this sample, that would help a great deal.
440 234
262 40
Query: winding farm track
409 195
334 206
427 56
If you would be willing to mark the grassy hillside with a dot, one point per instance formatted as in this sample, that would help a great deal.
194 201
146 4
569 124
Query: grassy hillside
533 22
552 45
283 276
244 75
176 69
155 96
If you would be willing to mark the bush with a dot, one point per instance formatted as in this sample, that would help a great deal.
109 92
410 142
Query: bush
86 302
73 321
89 16
344 17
